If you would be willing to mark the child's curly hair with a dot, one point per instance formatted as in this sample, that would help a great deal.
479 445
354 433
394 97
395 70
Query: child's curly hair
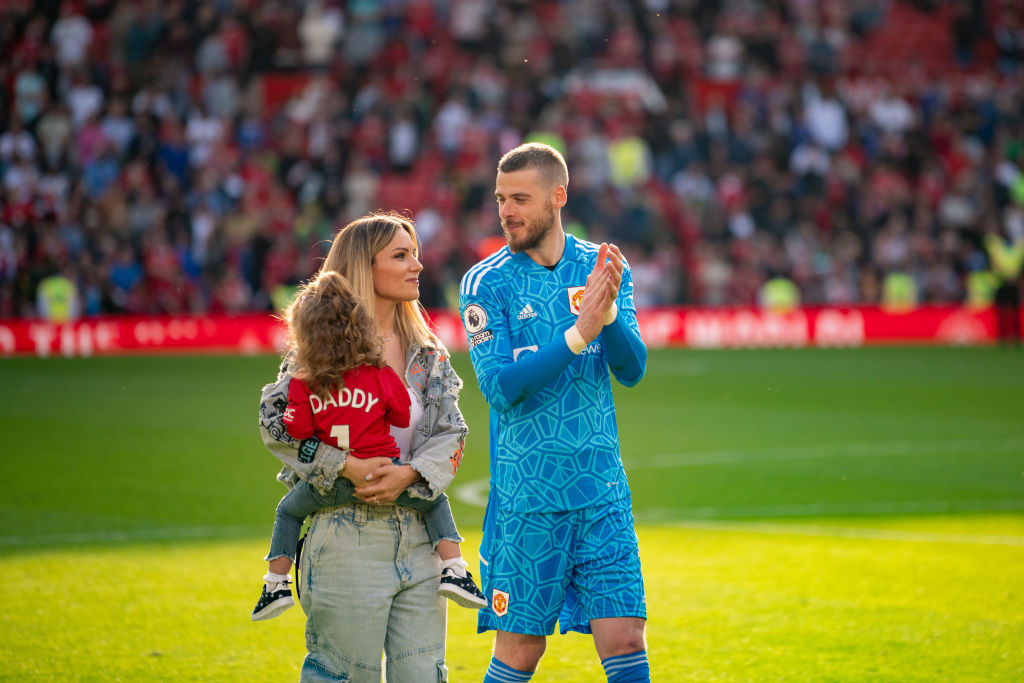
330 332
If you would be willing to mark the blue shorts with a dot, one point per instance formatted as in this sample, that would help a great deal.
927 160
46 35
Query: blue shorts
569 567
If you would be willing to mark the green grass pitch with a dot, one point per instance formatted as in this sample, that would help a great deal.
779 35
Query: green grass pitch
812 515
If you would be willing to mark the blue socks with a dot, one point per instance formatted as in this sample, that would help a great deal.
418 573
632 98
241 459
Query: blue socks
503 673
631 668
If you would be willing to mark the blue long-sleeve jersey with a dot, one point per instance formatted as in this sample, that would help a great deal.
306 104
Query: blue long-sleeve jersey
554 439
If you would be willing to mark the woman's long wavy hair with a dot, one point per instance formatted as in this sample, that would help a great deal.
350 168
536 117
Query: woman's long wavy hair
352 254
330 332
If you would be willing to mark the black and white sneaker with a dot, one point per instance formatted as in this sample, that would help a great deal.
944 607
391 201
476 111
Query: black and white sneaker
461 590
276 598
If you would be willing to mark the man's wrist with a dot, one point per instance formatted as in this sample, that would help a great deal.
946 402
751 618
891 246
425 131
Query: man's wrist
575 340
611 314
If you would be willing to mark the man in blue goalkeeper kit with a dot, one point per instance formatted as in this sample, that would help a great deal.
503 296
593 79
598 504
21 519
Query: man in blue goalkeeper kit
547 317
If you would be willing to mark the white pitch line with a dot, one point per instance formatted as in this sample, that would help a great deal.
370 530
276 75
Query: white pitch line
906 507
848 450
87 537
473 492
898 535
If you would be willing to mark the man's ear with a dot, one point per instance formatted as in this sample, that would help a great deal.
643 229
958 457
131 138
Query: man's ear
558 197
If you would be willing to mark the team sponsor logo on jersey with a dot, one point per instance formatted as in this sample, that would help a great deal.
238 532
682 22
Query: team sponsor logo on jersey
479 338
499 602
475 318
526 313
575 298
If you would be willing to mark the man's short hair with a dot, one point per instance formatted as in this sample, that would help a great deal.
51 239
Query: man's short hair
545 159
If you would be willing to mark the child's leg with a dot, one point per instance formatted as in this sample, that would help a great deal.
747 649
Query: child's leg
456 582
440 523
448 550
280 565
295 506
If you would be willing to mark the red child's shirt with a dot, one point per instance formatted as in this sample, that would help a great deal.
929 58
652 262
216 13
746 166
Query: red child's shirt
357 417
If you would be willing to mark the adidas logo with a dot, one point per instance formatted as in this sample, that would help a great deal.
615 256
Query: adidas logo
526 313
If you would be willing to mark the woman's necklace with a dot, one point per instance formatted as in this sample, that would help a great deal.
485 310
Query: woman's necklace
385 340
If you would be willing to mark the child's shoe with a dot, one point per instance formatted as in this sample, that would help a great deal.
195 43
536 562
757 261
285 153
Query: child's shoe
276 598
461 590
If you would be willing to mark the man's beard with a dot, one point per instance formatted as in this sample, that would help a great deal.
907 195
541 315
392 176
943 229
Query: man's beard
534 232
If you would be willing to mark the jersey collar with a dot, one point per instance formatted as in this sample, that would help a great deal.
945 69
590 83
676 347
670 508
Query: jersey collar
569 252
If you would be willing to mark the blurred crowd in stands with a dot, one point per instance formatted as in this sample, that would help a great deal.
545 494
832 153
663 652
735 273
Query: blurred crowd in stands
187 156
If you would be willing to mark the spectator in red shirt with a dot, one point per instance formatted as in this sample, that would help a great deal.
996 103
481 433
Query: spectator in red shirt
347 396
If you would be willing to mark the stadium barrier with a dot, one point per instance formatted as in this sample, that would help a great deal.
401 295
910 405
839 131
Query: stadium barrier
707 328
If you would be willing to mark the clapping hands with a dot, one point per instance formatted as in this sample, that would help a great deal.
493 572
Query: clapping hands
601 291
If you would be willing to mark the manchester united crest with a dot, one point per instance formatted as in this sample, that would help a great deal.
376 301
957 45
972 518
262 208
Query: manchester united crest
575 298
499 602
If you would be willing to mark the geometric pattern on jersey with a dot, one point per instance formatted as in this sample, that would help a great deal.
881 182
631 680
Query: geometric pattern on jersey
569 567
558 449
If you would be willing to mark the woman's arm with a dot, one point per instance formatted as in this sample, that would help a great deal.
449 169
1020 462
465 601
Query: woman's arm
315 462
437 452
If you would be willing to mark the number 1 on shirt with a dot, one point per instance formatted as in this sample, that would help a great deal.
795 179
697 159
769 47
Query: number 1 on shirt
340 434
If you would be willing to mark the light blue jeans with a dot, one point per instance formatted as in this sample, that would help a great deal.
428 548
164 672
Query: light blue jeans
368 584
304 500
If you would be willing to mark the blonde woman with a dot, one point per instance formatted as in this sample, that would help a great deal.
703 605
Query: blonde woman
345 395
369 575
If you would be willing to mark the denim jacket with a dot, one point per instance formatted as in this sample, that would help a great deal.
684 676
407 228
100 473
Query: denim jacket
437 442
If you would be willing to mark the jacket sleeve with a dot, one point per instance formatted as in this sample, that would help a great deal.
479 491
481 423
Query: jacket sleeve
442 430
310 460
